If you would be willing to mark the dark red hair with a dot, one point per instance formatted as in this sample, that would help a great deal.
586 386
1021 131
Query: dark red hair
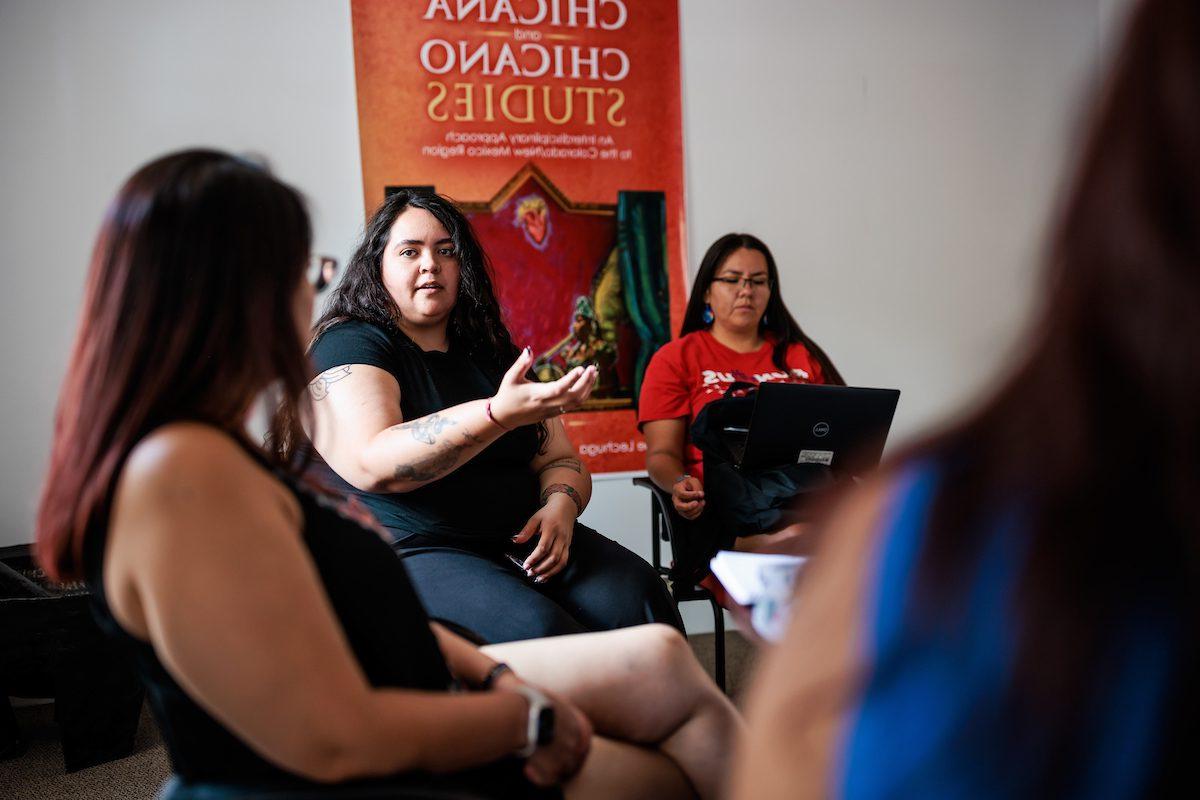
187 314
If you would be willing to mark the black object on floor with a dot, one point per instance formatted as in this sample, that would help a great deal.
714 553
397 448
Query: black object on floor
52 647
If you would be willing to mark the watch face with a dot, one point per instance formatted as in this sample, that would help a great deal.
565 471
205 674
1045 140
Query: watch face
545 726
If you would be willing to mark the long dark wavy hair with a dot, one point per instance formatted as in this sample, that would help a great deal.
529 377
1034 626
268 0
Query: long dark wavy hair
187 315
476 325
777 321
1095 436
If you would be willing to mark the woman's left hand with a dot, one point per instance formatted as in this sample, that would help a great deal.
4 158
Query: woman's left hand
554 524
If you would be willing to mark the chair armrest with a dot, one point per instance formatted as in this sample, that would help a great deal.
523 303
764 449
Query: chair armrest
662 504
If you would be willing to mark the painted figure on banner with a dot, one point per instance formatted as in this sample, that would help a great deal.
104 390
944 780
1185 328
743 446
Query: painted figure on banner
591 341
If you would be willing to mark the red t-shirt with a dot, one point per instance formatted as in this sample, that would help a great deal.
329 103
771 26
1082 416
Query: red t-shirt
689 373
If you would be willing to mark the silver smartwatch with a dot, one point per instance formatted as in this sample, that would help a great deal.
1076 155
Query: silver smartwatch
540 729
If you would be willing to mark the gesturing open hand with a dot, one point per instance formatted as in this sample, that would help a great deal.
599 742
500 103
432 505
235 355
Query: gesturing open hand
520 401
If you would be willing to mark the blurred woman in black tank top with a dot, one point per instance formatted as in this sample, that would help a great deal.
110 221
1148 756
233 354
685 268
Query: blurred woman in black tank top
279 637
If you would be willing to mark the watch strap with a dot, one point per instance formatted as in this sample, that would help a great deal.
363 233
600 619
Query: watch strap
537 733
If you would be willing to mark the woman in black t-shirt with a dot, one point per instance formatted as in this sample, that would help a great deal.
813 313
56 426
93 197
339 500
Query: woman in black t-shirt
424 410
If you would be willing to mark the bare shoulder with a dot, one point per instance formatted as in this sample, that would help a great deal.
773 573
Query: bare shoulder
190 450
190 465
190 501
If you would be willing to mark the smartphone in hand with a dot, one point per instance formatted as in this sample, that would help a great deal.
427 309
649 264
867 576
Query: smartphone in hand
517 561
519 554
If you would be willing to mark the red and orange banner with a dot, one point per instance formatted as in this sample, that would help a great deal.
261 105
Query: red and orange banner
556 125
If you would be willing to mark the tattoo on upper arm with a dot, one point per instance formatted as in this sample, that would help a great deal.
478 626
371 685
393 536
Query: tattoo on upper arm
568 462
426 429
569 491
319 386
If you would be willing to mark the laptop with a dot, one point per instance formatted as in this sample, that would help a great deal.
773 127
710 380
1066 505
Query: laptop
840 427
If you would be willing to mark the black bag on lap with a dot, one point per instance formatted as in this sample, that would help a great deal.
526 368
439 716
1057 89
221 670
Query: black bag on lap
744 502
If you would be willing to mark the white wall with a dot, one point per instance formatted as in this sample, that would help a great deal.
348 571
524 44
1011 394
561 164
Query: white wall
91 89
899 157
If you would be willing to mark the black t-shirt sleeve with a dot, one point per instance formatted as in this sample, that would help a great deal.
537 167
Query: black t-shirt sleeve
352 342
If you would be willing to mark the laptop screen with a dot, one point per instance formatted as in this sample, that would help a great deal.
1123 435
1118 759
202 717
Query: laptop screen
842 427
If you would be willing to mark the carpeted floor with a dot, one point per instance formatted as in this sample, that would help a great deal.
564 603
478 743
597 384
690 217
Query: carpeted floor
39 772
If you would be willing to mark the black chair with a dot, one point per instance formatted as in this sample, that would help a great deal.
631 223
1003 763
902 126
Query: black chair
664 528
52 647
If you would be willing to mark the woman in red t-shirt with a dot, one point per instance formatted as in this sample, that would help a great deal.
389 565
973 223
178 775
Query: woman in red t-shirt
736 329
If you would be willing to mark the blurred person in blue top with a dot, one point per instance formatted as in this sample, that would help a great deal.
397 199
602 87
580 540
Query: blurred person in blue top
1013 607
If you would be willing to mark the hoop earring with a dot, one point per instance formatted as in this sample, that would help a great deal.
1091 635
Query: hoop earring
708 315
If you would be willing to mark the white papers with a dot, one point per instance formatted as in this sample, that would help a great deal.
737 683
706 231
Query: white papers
763 581
748 576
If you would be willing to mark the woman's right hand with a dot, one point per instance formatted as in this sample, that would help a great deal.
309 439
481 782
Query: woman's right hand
687 494
554 763
520 401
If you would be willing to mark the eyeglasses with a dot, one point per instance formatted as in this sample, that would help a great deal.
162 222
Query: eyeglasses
756 282
321 271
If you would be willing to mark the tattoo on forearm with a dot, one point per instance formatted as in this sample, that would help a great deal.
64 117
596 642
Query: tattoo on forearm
432 466
442 460
426 429
569 491
319 386
568 462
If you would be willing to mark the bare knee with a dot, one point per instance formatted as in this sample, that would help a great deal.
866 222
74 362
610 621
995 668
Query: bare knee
667 647
661 670
674 663
678 690
665 656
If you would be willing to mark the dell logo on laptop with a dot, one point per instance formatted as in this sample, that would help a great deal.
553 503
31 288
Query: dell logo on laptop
821 429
